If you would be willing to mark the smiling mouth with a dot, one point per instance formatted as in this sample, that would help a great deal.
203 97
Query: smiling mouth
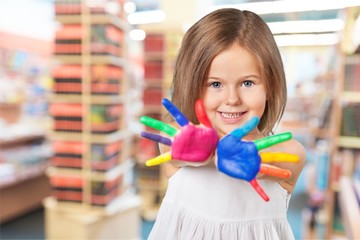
228 115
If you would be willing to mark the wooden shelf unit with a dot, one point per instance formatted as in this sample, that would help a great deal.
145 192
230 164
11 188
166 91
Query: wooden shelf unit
148 180
160 51
16 190
23 143
91 168
350 208
346 142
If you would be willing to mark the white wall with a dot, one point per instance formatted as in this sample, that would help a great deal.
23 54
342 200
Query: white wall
31 18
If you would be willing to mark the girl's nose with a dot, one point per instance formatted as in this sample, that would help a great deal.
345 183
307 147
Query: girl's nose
233 98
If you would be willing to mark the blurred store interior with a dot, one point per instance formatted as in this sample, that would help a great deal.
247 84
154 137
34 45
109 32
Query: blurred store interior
76 76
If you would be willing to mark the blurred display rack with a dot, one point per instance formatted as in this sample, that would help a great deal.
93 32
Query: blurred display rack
345 160
350 213
86 199
15 188
160 51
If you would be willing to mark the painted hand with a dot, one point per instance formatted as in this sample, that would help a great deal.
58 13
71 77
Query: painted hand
192 143
241 159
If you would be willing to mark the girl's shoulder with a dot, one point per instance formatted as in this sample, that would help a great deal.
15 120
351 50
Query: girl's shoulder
293 146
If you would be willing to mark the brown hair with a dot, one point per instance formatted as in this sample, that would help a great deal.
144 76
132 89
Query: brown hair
214 33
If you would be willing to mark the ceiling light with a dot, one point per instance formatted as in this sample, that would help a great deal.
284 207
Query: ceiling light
290 6
307 26
306 39
146 17
137 34
129 7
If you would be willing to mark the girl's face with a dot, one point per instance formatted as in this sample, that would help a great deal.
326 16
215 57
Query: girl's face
235 90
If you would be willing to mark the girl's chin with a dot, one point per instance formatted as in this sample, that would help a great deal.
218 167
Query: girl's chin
224 131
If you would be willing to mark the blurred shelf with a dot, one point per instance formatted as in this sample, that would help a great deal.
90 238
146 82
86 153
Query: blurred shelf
94 19
148 185
91 138
350 97
93 175
154 56
121 203
321 132
153 82
24 174
95 99
24 196
18 140
148 109
93 59
350 208
349 142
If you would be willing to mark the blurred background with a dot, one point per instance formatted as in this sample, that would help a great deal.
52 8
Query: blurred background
76 75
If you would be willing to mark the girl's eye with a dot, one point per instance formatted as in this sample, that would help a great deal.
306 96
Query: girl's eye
215 84
247 83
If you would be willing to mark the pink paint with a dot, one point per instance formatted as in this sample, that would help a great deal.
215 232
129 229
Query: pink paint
194 143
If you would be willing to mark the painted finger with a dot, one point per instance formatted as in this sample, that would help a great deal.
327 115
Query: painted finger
274 171
254 183
278 157
246 128
272 140
175 112
159 125
165 157
201 114
156 138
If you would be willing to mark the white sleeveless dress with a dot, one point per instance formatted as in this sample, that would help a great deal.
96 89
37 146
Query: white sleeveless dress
202 203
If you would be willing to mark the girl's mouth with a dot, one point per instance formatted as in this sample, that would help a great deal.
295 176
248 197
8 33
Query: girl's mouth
231 117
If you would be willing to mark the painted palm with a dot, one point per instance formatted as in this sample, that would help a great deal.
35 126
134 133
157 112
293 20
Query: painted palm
192 143
242 159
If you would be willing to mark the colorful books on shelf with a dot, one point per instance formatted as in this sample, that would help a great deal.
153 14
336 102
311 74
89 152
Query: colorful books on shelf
105 156
356 185
68 117
106 39
89 162
73 7
153 70
154 43
356 176
66 188
350 124
103 192
147 177
70 154
105 79
352 73
68 40
152 96
71 189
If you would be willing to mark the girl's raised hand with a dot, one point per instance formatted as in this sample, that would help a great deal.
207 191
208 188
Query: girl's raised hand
192 143
241 159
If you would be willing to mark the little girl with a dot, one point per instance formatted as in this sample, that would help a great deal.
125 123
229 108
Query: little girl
230 61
